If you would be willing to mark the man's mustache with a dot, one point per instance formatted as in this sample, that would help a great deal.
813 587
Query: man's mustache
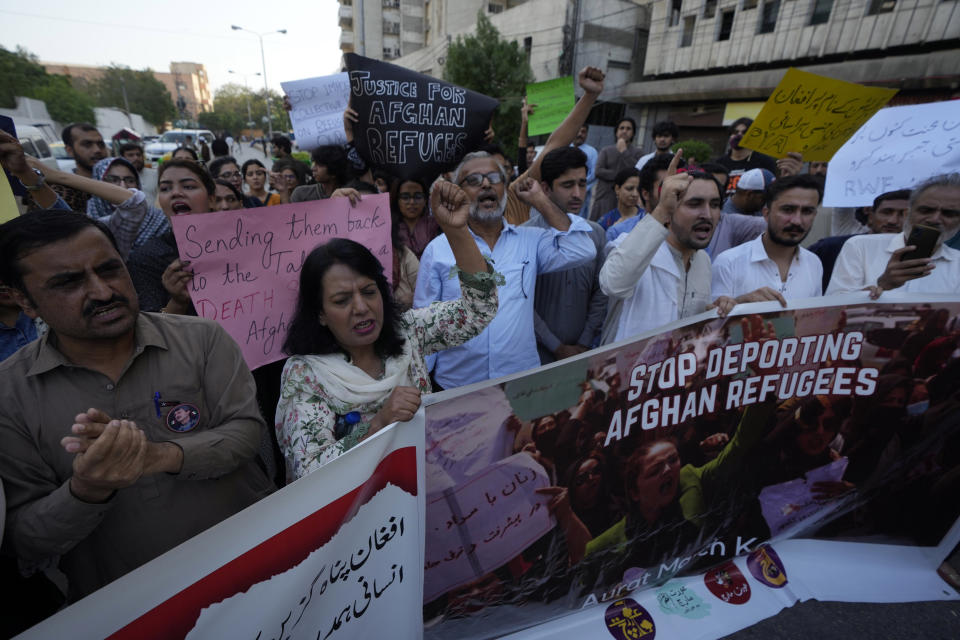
94 305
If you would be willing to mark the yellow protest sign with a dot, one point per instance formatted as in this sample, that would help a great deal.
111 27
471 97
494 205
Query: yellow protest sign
813 115
8 204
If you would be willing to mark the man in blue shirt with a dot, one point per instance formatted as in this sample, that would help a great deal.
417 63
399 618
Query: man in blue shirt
16 328
508 345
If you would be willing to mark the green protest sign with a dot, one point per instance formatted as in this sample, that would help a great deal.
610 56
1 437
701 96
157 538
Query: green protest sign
554 100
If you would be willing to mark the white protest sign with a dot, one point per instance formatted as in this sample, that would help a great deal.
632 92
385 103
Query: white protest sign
331 555
318 106
896 149
483 523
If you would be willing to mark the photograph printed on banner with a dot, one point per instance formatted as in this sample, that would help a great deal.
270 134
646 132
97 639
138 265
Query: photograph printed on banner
670 454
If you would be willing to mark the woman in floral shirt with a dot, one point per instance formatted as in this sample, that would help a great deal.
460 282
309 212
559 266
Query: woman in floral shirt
357 365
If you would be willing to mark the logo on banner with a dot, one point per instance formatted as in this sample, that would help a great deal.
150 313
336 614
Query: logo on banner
677 599
728 583
627 620
765 565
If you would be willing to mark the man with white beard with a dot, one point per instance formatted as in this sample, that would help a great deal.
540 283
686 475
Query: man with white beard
518 254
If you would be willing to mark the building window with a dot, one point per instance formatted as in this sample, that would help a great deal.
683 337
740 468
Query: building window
749 4
768 17
676 6
710 8
726 26
494 8
528 46
821 11
687 38
880 6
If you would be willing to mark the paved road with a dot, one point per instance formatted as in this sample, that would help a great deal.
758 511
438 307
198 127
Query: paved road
829 620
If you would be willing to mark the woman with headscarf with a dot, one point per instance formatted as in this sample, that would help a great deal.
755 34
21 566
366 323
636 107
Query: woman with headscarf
120 172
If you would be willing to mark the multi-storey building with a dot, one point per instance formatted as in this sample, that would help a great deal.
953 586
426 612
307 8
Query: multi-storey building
708 61
186 79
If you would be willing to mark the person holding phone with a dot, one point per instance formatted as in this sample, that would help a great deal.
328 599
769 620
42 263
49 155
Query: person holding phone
917 260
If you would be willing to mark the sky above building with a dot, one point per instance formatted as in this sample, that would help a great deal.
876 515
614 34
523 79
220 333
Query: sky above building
141 34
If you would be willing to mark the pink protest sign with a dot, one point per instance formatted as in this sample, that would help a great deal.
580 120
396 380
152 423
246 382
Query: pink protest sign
247 262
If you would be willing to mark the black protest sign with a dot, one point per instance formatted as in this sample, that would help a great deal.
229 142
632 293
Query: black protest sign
410 124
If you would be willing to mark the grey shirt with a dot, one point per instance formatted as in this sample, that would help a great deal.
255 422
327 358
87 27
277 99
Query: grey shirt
734 229
187 360
569 306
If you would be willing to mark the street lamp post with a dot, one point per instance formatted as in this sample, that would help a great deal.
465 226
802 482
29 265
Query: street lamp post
247 86
266 90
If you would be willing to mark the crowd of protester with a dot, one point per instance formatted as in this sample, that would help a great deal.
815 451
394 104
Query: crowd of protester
125 433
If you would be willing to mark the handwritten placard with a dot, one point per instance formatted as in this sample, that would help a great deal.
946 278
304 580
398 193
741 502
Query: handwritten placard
318 106
414 126
554 100
483 523
898 148
247 263
813 115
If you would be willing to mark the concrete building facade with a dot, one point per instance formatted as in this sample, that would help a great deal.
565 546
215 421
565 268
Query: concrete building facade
705 59
186 79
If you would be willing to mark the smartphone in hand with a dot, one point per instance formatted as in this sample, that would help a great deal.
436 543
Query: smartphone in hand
924 238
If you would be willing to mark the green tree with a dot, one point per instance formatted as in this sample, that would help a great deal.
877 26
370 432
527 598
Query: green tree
64 103
490 65
22 75
230 110
144 93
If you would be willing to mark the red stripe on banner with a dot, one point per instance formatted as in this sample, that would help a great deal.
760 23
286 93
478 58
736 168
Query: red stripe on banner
176 616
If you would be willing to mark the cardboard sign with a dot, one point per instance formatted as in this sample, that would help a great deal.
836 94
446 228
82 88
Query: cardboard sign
416 126
8 204
247 262
813 115
318 106
897 149
554 100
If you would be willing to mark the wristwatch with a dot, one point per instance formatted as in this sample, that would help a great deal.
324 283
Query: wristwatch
41 181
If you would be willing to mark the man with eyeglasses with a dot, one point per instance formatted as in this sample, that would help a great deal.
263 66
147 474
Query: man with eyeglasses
519 254
876 261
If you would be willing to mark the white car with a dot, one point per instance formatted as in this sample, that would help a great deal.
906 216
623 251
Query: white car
64 161
174 138
35 144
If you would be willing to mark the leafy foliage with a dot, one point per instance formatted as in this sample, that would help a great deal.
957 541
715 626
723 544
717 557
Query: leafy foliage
64 103
492 66
230 110
696 150
145 94
22 75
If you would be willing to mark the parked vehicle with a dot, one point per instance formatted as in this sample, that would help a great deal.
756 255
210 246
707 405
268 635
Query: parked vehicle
64 161
174 138
35 144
